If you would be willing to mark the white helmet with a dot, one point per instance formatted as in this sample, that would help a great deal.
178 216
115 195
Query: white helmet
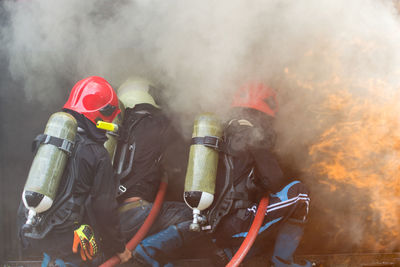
135 91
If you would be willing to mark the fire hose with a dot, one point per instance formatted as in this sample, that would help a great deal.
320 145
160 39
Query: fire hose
141 233
251 235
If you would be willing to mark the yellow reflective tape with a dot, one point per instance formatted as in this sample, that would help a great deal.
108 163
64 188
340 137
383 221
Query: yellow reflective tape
111 127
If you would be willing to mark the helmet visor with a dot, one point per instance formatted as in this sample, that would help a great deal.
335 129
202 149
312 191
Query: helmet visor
108 110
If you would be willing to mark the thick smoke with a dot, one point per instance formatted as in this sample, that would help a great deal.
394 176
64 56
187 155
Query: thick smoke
202 51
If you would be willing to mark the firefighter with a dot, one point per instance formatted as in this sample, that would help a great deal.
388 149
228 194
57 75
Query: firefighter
82 224
146 134
247 170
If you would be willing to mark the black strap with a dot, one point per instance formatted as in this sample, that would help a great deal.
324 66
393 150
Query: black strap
238 195
66 209
129 124
208 141
221 205
63 144
129 139
242 204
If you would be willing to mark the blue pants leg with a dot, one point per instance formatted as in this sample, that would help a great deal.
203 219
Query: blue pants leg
286 243
284 221
57 262
156 250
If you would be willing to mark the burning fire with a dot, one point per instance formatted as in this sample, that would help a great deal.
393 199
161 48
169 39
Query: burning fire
355 160
363 150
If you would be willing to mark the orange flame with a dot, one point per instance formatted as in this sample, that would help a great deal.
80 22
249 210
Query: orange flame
355 159
362 149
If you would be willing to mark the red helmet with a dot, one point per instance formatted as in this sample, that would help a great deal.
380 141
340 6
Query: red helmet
95 99
257 96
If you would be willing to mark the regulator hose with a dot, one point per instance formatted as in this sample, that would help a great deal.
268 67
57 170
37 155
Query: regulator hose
251 235
141 233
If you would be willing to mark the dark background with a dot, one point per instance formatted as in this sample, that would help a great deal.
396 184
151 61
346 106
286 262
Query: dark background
21 120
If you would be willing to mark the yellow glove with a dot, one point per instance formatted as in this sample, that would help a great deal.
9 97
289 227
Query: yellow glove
84 236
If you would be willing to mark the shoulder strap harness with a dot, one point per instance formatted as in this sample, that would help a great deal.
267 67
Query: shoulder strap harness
234 195
126 147
66 210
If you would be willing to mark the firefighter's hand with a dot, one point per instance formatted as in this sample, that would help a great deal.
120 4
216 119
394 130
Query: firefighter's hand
84 236
125 256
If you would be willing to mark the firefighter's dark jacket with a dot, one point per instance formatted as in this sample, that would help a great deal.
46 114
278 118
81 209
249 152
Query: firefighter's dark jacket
250 139
151 136
97 182
86 194
247 169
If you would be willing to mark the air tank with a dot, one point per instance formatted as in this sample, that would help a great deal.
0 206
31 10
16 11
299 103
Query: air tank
49 163
202 165
112 136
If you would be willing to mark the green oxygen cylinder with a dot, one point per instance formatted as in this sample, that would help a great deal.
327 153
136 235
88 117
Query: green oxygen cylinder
202 165
112 136
49 163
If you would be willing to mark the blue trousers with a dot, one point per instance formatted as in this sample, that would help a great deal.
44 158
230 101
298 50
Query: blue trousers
57 248
48 261
290 204
170 213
